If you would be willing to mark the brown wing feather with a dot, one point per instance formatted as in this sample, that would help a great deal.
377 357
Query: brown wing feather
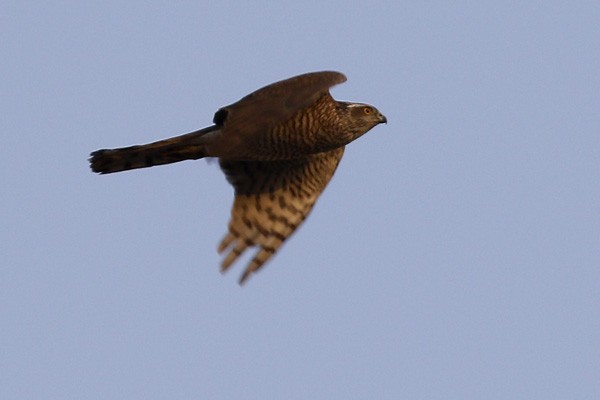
263 109
271 200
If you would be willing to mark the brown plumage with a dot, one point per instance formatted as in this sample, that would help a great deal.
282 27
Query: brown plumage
279 147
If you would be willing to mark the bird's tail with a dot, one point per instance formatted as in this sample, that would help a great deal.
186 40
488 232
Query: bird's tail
179 148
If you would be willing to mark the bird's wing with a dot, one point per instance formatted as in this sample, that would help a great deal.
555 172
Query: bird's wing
271 200
263 109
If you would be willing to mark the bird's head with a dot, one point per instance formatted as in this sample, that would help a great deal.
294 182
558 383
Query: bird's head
362 118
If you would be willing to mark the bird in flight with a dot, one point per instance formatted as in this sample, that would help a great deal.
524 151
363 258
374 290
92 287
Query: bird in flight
278 147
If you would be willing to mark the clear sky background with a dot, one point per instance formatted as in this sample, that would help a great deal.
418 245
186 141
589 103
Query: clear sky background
455 254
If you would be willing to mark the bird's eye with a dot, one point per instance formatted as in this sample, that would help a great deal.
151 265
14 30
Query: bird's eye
368 110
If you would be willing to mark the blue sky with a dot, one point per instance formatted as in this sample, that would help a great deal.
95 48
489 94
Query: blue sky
454 255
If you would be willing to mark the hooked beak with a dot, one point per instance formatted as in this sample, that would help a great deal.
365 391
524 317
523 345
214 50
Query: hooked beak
382 119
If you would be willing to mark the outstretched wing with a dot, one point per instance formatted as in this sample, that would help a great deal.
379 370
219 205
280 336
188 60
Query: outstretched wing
271 200
262 110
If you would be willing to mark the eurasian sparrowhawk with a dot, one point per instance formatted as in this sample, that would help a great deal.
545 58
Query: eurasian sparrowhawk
278 147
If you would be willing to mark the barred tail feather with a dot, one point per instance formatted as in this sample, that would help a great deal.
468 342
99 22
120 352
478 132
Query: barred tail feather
179 148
